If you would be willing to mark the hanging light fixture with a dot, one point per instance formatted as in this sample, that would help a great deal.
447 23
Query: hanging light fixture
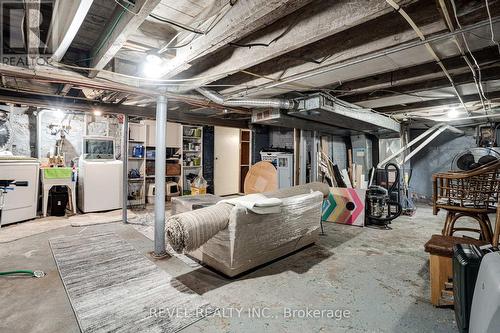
152 64
453 113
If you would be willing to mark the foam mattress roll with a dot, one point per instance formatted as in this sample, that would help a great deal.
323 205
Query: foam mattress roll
188 231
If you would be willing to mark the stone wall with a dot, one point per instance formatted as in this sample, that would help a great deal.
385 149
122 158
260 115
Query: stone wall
24 133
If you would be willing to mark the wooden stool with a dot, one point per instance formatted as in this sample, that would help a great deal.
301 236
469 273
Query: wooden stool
440 249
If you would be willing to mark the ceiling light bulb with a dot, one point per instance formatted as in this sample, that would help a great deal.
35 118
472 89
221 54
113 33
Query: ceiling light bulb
154 59
97 113
453 113
151 70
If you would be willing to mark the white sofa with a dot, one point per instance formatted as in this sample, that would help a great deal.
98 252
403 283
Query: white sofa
251 240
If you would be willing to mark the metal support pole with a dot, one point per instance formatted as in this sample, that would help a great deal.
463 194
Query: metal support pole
160 166
125 168
302 157
314 157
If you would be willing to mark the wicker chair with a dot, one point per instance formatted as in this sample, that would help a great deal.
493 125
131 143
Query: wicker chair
471 193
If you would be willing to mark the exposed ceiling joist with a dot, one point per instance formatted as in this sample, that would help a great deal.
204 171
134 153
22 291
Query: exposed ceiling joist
342 50
78 104
242 19
492 73
316 21
69 17
32 29
77 80
372 63
391 78
434 103
124 23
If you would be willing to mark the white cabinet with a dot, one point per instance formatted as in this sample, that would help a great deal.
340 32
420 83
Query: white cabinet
150 132
137 132
173 137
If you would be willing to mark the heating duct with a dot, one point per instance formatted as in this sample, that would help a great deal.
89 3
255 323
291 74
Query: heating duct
273 103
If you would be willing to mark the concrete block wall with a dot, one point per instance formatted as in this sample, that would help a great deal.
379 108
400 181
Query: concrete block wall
339 151
436 157
281 137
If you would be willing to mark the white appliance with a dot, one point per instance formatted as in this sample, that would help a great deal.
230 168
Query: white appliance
100 176
21 203
485 311
172 189
283 161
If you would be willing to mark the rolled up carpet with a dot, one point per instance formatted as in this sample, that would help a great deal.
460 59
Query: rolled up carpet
188 231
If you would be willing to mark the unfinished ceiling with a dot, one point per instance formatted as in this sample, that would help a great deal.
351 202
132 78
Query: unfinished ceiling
444 54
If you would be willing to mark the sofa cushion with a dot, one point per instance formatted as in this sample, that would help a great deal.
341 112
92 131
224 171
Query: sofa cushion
443 245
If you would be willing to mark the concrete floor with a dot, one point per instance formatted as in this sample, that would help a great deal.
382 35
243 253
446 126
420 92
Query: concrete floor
379 276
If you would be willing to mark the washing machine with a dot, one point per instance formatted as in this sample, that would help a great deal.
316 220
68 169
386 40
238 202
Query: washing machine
100 176
21 203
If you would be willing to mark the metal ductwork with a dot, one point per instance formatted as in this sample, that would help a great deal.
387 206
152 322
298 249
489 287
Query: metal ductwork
320 112
268 103
279 118
331 111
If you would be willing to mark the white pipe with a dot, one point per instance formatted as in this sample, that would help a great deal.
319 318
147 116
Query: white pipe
125 168
248 102
440 127
425 143
160 166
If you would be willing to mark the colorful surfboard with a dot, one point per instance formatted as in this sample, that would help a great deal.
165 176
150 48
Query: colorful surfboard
345 206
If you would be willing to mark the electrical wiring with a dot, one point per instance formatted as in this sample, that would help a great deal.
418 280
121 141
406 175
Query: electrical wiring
477 81
431 51
406 94
177 24
138 78
491 26
275 39
126 7
212 24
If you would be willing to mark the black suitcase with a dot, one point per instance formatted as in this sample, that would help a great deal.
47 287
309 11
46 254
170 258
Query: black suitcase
466 261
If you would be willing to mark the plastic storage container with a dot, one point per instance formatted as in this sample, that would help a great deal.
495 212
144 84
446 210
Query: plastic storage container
199 185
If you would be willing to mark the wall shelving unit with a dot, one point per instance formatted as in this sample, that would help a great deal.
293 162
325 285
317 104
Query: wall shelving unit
191 155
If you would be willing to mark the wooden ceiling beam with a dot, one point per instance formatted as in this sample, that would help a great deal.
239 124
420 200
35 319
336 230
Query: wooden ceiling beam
124 23
243 18
316 21
69 17
435 103
83 105
33 30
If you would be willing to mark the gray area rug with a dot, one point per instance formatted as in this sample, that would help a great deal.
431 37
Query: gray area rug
114 288
145 225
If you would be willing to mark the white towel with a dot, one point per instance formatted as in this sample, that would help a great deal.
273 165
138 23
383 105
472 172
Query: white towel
257 203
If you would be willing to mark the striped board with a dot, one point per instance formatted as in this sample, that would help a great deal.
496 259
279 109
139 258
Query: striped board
345 206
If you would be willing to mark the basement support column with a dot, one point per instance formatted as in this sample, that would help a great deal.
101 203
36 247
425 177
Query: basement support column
125 168
160 165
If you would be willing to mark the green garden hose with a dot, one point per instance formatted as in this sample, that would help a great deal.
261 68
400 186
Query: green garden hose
37 274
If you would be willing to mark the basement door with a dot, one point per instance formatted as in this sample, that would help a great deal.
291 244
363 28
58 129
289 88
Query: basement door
226 160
